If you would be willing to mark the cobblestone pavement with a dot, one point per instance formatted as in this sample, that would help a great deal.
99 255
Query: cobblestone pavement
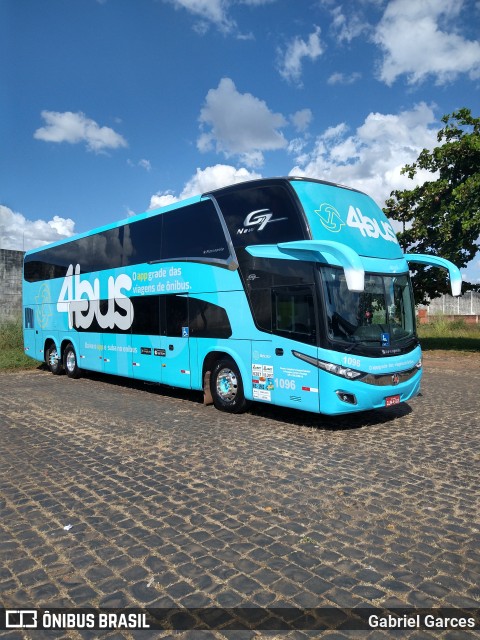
176 504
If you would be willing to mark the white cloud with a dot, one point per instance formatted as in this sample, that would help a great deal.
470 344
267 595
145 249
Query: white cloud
301 119
256 3
347 27
372 157
215 177
240 124
344 78
420 39
143 163
209 12
215 12
76 127
290 66
16 232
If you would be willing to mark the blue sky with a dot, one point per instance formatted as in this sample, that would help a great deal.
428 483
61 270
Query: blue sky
111 107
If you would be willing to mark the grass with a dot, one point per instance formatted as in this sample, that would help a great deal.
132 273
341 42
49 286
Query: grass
455 335
437 335
12 355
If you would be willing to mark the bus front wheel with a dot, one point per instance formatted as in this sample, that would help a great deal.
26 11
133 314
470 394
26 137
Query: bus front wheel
226 387
70 362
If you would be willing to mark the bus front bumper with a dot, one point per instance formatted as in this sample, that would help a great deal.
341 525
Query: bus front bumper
340 396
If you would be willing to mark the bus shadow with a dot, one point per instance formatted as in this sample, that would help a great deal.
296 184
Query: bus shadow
331 423
294 417
154 388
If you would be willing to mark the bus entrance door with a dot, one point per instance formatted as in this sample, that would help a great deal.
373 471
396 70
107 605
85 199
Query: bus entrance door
281 378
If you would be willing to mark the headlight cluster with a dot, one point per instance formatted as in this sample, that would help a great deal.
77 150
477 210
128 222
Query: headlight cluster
338 370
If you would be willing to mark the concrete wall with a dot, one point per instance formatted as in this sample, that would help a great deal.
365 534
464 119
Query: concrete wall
11 264
465 307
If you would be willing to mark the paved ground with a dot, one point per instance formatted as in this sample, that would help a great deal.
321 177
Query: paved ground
176 504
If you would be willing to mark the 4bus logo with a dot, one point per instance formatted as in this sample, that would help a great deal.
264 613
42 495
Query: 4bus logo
81 300
368 227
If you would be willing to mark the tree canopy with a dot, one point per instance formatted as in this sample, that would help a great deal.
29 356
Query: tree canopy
442 216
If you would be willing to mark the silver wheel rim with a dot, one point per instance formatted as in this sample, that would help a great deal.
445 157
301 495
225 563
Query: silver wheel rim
227 385
71 361
53 358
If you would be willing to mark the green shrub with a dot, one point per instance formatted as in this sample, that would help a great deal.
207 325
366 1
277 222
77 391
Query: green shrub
12 355
455 335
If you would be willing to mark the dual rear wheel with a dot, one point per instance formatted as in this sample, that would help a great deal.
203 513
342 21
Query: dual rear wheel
58 365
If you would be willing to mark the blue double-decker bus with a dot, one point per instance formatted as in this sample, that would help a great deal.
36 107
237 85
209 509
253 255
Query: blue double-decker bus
287 291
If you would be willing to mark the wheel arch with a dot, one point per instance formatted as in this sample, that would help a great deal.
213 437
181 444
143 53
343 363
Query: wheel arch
209 362
66 341
47 343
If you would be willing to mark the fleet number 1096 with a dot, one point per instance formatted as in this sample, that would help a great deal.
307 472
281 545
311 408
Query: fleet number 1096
285 383
351 362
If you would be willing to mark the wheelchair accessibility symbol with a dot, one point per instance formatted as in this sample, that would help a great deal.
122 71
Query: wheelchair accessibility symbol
185 332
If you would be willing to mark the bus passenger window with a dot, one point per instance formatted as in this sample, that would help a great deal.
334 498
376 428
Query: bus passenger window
208 320
176 315
294 313
146 315
29 317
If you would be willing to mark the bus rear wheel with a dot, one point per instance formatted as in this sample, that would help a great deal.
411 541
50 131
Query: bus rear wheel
70 362
226 387
53 360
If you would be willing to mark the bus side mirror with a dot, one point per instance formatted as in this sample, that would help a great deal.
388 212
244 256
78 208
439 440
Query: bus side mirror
434 261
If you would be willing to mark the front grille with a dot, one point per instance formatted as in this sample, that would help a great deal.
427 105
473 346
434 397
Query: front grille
386 379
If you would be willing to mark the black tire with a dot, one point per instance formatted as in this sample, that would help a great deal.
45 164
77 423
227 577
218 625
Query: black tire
70 362
53 360
226 387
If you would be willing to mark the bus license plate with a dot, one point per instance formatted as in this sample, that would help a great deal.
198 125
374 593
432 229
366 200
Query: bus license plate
391 400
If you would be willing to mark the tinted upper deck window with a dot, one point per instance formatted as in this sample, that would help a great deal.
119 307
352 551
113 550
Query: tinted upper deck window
261 215
194 232
142 241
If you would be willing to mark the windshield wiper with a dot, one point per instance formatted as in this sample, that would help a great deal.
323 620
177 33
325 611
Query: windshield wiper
360 343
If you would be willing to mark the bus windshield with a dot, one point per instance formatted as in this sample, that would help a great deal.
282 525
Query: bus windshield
383 315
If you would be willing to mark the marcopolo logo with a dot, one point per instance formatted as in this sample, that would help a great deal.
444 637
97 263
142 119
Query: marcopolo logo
258 220
368 227
81 300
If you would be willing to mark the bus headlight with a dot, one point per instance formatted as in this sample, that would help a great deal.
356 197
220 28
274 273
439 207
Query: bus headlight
336 369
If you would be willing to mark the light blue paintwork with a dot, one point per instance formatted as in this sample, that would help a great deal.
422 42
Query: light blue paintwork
349 231
328 207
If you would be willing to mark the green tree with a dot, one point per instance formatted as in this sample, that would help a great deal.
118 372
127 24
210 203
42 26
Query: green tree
442 216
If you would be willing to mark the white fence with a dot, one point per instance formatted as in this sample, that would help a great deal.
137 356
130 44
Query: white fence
466 305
